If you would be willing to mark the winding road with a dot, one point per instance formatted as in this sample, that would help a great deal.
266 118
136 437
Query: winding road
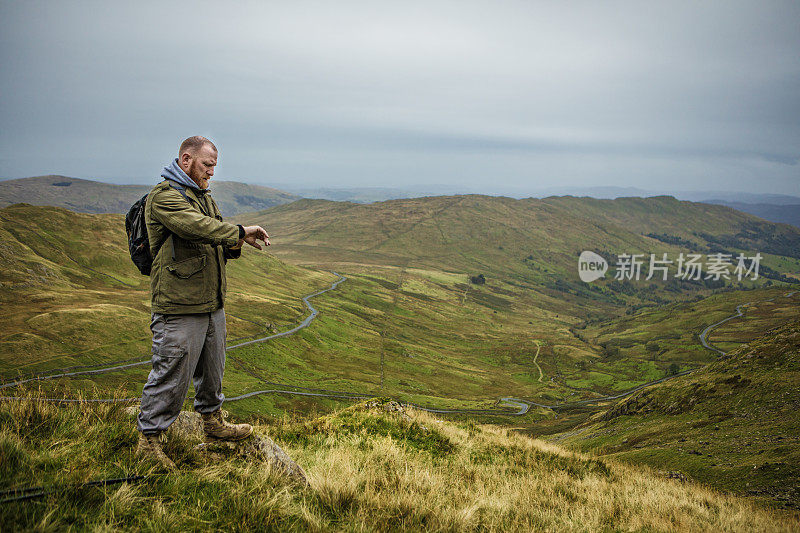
739 312
704 334
704 342
521 406
303 324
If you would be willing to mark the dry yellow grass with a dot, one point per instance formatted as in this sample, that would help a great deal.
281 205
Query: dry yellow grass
369 470
497 480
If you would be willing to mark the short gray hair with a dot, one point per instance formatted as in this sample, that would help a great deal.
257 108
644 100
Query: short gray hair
193 144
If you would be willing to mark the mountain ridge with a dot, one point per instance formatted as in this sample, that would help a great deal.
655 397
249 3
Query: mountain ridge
91 196
504 231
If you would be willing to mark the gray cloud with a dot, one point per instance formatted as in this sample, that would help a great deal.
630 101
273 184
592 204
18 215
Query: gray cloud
700 95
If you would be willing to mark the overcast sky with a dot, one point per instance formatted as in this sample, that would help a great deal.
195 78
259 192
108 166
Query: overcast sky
488 95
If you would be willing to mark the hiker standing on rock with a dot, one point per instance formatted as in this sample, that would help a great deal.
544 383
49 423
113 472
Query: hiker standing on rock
190 245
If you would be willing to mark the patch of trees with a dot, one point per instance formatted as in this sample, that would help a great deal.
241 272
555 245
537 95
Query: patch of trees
729 241
610 352
672 239
763 270
480 279
605 254
756 237
619 343
714 283
767 272
579 288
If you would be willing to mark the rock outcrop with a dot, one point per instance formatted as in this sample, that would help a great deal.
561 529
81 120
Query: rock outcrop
256 447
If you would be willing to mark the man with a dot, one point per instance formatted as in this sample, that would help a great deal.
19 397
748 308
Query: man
190 245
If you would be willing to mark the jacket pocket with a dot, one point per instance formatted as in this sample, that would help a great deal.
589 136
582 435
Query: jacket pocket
188 267
184 282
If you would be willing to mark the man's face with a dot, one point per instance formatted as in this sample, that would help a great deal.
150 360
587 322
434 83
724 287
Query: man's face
200 165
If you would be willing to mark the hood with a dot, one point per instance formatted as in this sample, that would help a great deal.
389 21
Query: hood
175 173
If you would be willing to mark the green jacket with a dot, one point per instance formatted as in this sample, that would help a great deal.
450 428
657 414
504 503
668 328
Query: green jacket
190 245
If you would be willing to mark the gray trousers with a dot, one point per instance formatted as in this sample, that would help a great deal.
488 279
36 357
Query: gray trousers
184 347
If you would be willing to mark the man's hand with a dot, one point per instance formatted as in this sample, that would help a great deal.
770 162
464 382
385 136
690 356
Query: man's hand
253 234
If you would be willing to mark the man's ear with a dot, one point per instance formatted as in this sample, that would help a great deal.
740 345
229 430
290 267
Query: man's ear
185 161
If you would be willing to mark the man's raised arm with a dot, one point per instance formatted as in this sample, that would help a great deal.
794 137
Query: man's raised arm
182 219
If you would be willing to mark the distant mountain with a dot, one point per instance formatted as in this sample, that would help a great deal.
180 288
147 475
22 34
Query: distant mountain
88 196
691 196
533 241
788 214
744 198
366 195
781 208
378 194
773 207
360 195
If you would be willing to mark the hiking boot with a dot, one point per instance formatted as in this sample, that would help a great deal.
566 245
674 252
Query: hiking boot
215 428
150 448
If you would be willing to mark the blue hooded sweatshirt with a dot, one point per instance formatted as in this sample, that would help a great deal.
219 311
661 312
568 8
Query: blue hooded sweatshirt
174 172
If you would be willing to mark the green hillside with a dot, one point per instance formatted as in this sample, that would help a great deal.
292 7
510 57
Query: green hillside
521 349
529 241
420 334
87 196
529 248
71 295
368 470
423 336
735 424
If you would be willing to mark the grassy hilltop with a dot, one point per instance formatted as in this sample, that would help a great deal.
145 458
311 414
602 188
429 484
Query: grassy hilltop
88 196
368 470
514 237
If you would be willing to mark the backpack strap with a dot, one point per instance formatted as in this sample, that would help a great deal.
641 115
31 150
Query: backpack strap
181 189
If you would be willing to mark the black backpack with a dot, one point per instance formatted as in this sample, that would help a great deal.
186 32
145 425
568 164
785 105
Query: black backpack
138 245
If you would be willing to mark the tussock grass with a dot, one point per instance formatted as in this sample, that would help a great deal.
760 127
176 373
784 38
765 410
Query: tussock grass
369 470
